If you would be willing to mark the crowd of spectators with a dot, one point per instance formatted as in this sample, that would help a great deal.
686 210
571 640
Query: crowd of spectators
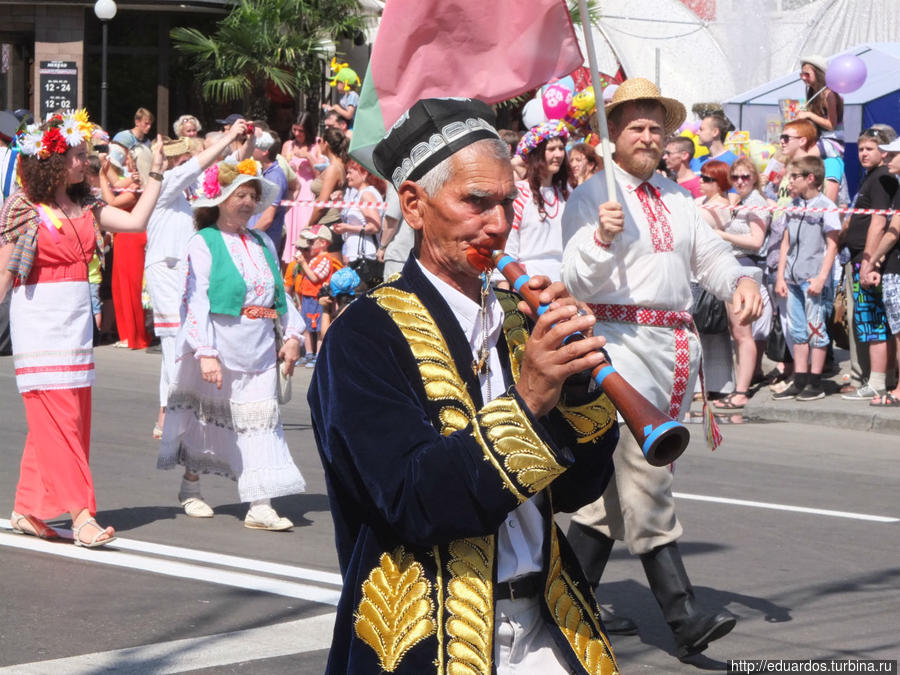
313 240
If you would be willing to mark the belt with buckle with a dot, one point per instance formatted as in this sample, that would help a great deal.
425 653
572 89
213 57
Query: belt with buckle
257 312
529 586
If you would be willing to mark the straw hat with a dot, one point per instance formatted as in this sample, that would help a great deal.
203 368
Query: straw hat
220 180
640 89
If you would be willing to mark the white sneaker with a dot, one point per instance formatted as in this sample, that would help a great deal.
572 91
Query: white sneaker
195 507
264 517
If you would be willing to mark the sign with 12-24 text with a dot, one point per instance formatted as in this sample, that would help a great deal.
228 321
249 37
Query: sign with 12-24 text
58 86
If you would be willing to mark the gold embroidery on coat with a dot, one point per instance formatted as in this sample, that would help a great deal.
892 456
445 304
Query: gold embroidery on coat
439 374
514 328
439 619
524 454
569 608
470 605
591 420
396 610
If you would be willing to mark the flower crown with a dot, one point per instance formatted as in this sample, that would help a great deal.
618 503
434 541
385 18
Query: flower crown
223 174
540 133
61 132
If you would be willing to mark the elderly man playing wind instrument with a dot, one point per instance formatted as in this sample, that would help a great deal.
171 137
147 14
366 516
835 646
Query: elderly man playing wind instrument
436 403
631 256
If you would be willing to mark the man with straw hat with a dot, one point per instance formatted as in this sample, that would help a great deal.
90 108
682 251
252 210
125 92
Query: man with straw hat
445 444
631 256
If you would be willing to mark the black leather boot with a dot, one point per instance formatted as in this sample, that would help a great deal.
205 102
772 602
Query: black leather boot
694 628
592 550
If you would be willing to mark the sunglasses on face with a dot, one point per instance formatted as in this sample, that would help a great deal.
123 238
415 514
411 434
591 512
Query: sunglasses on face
785 138
795 176
744 176
707 179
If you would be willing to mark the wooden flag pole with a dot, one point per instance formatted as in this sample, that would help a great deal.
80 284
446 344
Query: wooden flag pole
601 128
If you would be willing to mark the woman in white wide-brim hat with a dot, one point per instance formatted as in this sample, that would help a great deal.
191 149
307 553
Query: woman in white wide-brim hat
222 415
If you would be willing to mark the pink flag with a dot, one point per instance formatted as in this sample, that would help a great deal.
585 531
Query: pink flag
486 49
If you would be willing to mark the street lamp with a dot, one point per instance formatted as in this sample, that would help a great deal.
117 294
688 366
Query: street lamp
105 11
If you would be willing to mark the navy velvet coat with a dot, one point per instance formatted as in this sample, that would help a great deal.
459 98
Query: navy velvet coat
421 473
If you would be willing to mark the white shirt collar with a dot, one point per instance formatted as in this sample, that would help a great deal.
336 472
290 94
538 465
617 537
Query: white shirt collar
468 312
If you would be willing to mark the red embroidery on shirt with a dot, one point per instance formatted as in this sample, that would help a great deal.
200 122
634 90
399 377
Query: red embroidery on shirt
655 212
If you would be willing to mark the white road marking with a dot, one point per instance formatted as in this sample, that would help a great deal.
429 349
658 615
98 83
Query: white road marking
110 556
786 507
210 651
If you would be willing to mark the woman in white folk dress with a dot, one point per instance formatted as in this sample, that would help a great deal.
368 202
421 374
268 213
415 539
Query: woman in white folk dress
222 414
536 234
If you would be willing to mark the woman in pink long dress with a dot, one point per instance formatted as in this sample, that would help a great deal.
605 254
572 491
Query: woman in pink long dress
49 231
300 152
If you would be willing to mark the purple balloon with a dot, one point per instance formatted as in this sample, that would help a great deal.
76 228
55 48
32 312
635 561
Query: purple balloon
845 73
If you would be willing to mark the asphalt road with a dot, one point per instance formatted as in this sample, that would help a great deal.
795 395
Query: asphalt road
210 596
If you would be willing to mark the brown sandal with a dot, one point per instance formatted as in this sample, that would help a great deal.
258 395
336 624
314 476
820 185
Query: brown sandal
38 529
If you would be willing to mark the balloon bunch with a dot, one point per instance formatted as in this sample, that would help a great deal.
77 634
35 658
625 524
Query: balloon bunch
570 99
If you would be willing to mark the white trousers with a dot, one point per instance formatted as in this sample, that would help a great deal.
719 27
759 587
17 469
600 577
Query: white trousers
523 644
166 368
637 505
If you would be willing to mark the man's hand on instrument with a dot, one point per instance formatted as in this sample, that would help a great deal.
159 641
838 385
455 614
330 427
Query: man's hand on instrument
612 221
747 302
546 363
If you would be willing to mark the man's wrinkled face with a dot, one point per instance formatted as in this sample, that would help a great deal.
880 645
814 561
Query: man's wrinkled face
472 209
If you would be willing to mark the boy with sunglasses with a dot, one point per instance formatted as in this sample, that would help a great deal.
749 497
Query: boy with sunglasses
808 248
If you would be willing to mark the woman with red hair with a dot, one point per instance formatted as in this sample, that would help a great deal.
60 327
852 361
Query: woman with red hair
715 182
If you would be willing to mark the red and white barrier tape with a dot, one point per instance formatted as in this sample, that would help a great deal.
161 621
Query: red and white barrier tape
334 204
802 209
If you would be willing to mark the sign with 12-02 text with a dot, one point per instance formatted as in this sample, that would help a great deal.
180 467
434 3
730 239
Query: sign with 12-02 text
58 86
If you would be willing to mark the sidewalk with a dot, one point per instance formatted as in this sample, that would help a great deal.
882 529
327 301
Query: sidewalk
831 411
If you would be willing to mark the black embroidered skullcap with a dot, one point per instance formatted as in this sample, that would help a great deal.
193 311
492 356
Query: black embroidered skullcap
9 126
428 133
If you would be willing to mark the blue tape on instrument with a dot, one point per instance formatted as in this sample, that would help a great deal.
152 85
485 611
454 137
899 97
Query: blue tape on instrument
656 433
599 377
541 309
504 261
521 281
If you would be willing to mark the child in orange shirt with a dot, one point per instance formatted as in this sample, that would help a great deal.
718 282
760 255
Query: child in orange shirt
316 273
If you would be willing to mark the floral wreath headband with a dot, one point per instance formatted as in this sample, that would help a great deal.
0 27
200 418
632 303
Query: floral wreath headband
540 133
62 131
223 174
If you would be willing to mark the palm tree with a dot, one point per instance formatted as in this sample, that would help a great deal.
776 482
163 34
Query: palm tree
261 42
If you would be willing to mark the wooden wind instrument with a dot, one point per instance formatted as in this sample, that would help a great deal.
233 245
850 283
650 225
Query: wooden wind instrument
661 438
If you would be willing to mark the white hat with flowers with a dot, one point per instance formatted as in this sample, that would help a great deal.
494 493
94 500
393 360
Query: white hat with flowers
60 132
221 179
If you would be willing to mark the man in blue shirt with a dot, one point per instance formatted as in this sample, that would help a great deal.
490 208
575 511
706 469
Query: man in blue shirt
271 220
713 130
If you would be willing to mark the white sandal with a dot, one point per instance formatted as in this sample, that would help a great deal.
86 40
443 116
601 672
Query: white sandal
93 543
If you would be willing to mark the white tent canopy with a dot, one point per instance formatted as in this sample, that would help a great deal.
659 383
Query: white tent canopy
755 109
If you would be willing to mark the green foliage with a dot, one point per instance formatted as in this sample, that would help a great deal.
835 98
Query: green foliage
593 10
260 41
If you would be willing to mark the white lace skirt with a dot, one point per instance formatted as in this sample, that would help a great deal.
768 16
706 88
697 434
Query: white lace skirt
234 431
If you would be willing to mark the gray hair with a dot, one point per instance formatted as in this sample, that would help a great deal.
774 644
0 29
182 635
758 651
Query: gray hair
264 141
436 177
176 127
